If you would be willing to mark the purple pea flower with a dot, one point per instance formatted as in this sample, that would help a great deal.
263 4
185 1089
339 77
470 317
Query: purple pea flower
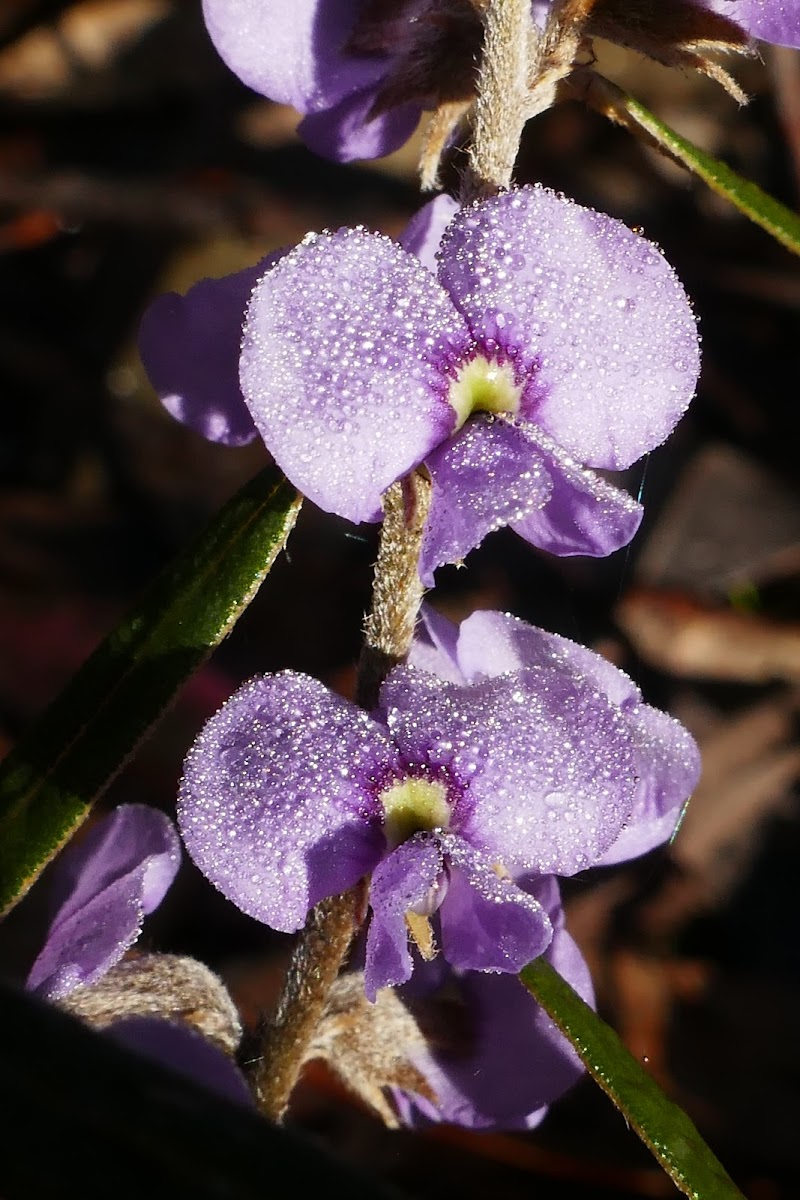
445 795
102 889
352 67
363 70
513 1062
553 336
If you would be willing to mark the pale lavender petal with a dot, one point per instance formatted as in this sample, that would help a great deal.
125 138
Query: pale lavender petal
403 882
349 131
489 475
487 923
591 314
190 348
667 765
293 51
342 367
583 515
276 804
183 1050
423 233
544 763
103 888
493 643
775 21
435 646
517 1062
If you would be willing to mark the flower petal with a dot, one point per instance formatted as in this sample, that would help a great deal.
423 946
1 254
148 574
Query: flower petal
487 923
583 515
423 233
544 763
493 643
104 887
294 53
590 313
189 346
516 1062
487 476
667 765
185 1051
403 882
342 367
349 131
775 21
276 803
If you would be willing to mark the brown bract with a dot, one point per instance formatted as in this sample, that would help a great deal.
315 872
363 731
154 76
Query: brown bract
435 48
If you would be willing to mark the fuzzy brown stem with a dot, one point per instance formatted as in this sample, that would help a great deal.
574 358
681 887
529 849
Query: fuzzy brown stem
501 106
315 964
397 590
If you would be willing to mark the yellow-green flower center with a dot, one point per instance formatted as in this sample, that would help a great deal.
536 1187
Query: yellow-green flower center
483 385
411 806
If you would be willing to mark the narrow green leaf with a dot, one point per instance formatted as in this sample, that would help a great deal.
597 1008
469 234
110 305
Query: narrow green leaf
663 1127
778 220
59 768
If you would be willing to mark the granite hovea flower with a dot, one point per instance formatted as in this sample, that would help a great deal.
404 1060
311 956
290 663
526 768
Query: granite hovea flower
666 759
360 70
190 344
292 794
101 890
552 337
494 1059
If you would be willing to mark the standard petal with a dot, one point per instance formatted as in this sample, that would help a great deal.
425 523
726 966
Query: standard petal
103 889
403 882
423 233
583 515
292 52
544 763
345 347
493 643
276 804
349 131
592 315
190 348
516 1062
667 765
775 21
487 476
487 923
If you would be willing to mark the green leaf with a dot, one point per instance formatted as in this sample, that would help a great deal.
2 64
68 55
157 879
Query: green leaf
663 1127
64 763
778 220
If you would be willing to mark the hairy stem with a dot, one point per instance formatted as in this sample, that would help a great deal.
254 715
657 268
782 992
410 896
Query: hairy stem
322 946
397 590
502 103
315 963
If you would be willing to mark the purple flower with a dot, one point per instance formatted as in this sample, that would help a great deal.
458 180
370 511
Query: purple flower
360 70
445 795
102 889
775 21
553 336
190 344
506 1062
665 757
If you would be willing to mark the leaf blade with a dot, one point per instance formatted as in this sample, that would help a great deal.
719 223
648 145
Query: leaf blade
779 221
664 1128
50 779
